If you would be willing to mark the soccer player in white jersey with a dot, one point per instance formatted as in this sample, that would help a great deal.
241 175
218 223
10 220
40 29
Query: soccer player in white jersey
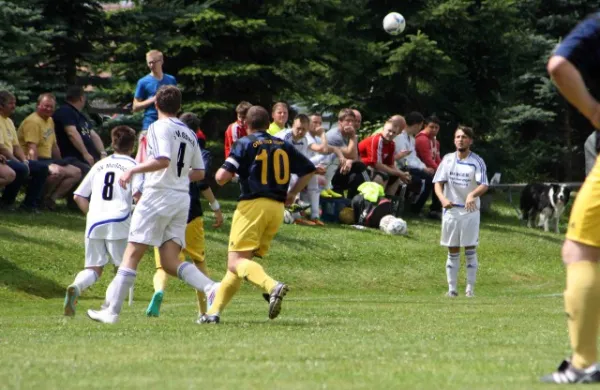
174 159
297 137
459 181
108 210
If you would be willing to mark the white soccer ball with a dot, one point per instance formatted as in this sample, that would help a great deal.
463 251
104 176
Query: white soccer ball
392 225
394 23
288 217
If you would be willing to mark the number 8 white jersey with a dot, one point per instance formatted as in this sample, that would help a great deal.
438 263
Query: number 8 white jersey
109 213
170 138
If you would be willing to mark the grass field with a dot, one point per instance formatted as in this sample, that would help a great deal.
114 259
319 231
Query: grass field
365 311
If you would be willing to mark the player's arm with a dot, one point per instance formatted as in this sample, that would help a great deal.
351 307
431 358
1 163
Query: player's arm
151 165
439 192
569 81
196 175
198 169
231 164
214 206
82 203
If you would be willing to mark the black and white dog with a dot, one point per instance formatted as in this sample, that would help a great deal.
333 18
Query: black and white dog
547 201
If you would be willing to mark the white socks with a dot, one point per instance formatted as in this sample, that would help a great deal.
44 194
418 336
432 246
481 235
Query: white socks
119 287
85 279
192 276
314 195
472 264
452 267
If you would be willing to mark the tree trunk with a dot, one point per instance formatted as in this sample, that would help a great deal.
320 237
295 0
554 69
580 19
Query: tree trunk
568 154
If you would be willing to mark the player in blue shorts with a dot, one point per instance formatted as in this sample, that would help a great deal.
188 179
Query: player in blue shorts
264 165
575 62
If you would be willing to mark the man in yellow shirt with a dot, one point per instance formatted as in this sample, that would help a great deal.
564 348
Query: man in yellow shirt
38 140
16 160
280 116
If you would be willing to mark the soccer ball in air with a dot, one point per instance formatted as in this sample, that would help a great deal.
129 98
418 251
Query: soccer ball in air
392 225
394 23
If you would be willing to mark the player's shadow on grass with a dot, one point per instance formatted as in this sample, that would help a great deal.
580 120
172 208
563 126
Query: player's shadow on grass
66 221
13 236
18 279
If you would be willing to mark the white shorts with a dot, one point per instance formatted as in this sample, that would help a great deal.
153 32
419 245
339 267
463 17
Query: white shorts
98 251
460 229
160 217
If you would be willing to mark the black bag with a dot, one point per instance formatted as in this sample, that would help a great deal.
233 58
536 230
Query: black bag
369 214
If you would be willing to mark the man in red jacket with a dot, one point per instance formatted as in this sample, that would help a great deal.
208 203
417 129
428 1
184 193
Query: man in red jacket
428 150
377 153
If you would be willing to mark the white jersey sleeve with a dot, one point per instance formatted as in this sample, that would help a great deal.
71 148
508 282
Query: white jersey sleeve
85 187
441 174
480 170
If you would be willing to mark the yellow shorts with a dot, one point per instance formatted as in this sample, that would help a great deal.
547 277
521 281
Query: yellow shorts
194 241
584 223
255 223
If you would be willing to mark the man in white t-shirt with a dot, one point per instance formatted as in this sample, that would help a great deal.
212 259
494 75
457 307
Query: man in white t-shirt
159 219
297 136
108 209
459 182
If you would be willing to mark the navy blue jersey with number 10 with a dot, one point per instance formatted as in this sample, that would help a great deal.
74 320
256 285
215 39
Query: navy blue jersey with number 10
264 165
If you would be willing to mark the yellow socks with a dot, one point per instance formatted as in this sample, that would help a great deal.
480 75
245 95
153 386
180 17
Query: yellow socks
200 296
255 274
230 285
160 280
582 305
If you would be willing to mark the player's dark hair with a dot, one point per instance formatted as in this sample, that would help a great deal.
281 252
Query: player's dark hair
467 130
346 112
243 107
191 120
432 119
74 93
168 99
123 139
5 97
257 118
414 118
303 118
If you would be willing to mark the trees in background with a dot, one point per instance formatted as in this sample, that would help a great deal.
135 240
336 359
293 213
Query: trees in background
478 62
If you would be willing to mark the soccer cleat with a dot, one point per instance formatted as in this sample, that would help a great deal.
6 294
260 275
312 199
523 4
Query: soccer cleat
210 296
566 374
334 194
71 300
305 222
452 294
104 316
470 294
275 299
153 309
206 319
266 297
317 222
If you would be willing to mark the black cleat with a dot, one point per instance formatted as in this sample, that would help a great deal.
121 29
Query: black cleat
206 319
567 374
275 299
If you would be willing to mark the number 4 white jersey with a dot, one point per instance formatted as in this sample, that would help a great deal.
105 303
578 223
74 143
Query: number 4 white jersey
109 213
170 138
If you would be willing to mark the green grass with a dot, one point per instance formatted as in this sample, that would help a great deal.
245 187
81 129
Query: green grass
366 311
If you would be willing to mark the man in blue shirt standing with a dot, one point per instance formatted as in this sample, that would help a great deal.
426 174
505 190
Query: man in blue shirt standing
145 93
